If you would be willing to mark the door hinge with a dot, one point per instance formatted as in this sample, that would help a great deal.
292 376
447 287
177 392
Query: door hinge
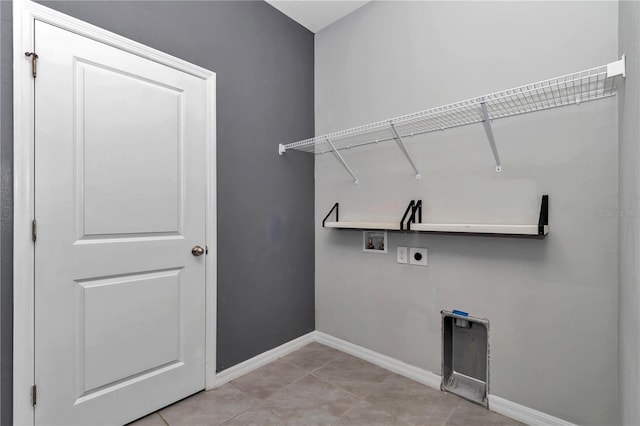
34 395
33 230
34 60
206 250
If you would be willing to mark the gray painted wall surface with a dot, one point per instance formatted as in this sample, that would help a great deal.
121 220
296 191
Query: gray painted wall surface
6 214
552 304
629 297
264 67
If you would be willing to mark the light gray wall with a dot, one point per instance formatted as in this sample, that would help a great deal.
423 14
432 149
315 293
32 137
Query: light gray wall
629 296
6 214
264 66
552 303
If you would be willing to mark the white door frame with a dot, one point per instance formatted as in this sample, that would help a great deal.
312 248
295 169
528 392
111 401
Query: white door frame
25 13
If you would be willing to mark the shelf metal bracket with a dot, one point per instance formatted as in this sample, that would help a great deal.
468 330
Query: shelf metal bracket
281 149
489 131
413 207
335 207
618 67
344 163
404 149
543 220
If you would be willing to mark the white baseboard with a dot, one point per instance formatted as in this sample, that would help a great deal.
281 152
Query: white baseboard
499 405
409 371
263 359
524 414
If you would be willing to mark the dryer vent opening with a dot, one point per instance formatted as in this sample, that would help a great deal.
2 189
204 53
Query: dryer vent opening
465 356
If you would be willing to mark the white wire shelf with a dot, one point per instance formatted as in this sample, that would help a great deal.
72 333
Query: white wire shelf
588 85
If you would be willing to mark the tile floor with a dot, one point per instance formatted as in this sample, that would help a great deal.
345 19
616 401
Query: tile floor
317 385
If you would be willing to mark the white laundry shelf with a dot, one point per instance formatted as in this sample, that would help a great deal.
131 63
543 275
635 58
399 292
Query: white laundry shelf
582 86
388 226
479 228
412 222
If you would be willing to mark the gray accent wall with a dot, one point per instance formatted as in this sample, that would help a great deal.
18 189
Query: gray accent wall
264 66
552 304
629 296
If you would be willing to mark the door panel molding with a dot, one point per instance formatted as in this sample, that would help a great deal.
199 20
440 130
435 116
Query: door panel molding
25 13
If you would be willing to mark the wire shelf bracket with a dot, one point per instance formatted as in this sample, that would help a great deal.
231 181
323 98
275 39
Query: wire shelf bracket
570 89
344 163
404 149
489 131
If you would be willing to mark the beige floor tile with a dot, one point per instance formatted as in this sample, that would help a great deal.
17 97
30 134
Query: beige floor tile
468 413
413 402
266 380
366 414
310 401
208 408
318 385
313 356
256 416
151 420
352 374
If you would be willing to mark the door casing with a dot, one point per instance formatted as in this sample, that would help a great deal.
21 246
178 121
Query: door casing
25 12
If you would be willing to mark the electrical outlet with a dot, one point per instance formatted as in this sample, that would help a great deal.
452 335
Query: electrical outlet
418 256
402 255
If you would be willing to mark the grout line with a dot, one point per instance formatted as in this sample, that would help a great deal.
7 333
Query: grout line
295 381
293 365
389 374
321 366
451 413
253 398
163 419
262 403
339 387
233 417
329 382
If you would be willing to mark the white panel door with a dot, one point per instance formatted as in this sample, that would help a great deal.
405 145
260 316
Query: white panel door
120 180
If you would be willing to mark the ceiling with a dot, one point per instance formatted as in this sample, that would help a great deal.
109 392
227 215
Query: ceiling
316 14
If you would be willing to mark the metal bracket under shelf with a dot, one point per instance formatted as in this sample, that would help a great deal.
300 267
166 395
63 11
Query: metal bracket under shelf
544 215
335 207
344 163
404 149
489 131
416 208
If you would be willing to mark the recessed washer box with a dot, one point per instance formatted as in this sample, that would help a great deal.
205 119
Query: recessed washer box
465 356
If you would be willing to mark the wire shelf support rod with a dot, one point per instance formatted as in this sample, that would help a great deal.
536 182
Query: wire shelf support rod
344 163
489 131
404 149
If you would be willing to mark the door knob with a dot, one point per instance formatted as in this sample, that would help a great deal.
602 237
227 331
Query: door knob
197 251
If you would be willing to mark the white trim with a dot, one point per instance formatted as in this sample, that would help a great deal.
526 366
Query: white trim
524 414
409 371
211 261
25 12
499 405
264 358
23 212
